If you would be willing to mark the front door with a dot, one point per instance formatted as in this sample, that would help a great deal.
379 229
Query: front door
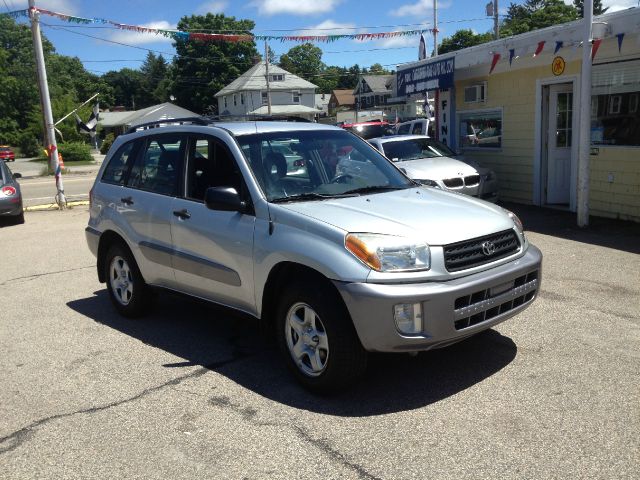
560 138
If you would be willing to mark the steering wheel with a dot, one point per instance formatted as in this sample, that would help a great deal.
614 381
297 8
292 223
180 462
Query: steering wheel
342 178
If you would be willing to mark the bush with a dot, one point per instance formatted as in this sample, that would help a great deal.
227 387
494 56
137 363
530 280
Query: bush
106 143
29 145
75 152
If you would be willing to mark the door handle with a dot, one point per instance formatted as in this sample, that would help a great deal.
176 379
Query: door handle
127 200
183 214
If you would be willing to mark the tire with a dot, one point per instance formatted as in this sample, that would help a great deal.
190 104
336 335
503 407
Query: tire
317 338
127 289
19 220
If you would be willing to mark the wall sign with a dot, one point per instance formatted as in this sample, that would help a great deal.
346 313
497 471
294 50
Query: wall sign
557 66
437 75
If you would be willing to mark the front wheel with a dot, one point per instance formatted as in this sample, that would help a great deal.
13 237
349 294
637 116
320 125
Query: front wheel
317 338
127 289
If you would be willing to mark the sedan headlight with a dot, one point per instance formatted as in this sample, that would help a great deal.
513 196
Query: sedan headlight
428 183
389 253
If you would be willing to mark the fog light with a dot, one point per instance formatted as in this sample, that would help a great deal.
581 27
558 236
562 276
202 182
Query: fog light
408 318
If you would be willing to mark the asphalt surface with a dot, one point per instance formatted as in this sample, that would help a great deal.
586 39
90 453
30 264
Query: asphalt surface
193 391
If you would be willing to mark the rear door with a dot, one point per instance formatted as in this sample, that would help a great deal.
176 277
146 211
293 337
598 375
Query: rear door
213 250
145 204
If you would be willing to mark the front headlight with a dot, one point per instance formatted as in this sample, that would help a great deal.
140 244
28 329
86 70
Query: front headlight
428 183
389 253
516 221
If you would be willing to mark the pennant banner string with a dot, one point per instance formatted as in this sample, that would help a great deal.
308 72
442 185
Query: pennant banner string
222 37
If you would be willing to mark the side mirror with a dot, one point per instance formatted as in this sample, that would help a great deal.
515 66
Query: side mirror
225 199
17 175
403 170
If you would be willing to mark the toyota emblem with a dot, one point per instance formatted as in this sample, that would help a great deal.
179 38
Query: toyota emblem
488 248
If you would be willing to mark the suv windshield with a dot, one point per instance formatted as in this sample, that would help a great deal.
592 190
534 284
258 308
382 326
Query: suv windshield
416 148
308 165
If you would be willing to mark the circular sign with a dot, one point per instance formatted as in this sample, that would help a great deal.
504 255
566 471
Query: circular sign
557 66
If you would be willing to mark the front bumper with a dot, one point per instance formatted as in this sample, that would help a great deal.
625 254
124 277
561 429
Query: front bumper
451 311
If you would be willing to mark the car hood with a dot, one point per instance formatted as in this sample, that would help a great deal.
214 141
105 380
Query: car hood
437 168
436 216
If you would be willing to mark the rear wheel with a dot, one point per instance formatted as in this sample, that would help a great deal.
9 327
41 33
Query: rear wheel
127 289
19 220
317 338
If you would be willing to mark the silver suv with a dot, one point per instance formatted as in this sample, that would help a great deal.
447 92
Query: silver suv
340 264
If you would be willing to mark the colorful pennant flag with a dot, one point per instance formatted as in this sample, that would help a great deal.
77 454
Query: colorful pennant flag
595 47
496 57
559 45
539 48
620 37
512 53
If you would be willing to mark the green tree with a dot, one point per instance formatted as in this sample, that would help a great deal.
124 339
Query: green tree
304 60
463 39
128 87
202 69
535 14
378 69
154 85
598 9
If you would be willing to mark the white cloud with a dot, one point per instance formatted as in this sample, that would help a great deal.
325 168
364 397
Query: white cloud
139 38
615 5
329 27
401 42
421 7
69 7
213 6
294 7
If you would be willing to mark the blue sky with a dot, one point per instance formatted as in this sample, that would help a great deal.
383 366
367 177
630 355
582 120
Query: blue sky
292 17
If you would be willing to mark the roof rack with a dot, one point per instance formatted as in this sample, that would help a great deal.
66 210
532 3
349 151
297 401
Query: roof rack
180 121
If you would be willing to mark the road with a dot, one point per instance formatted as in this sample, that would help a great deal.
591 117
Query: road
41 190
193 391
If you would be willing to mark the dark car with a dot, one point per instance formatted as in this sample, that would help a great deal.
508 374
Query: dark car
7 154
369 130
10 196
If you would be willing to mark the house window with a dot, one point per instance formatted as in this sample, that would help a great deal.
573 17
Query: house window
480 129
265 98
276 77
225 102
296 97
615 117
235 101
242 99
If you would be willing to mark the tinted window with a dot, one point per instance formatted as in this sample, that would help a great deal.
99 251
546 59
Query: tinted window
404 129
417 128
119 164
210 164
416 148
158 168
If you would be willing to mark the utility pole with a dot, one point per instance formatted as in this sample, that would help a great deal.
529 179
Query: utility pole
496 25
584 147
359 105
435 28
49 128
266 59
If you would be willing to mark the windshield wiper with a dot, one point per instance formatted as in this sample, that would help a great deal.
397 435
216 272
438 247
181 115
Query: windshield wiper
373 189
308 196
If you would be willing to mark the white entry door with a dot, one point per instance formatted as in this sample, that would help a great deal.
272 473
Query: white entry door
560 138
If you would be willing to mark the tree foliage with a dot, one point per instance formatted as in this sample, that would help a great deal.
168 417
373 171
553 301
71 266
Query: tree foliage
535 14
463 39
304 60
203 68
598 9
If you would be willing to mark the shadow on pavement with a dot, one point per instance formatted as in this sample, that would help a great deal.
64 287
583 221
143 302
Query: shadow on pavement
605 232
234 346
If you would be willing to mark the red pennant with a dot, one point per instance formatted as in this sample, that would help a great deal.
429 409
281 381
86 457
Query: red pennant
496 57
595 47
539 49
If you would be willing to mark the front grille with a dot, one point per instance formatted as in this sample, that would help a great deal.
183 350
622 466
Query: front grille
486 304
453 182
470 253
472 180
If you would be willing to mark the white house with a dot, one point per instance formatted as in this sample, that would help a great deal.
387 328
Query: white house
247 94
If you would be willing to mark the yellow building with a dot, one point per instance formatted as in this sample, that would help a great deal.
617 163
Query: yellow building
513 105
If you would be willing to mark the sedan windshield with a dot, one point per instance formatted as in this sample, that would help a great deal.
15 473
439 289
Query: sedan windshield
415 148
314 165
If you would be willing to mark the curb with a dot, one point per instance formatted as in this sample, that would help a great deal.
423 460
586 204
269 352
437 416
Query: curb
54 206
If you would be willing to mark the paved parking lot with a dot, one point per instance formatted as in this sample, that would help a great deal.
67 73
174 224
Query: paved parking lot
193 391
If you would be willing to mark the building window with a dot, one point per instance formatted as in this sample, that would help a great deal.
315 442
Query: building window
225 102
276 77
480 129
265 98
242 99
615 117
235 101
296 97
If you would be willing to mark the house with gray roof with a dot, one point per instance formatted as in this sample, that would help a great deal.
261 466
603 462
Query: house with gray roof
373 90
247 94
120 122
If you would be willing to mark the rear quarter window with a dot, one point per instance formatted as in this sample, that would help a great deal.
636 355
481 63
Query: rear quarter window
119 164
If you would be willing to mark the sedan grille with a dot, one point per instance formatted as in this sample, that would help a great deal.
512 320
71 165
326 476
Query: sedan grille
472 180
481 250
453 182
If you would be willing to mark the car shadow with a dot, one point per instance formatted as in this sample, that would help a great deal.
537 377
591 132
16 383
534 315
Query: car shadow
235 346
604 232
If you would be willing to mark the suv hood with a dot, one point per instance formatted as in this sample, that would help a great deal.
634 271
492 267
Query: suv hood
436 216
437 168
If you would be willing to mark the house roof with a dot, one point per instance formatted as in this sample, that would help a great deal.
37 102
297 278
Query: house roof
254 79
284 110
379 83
150 114
344 97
